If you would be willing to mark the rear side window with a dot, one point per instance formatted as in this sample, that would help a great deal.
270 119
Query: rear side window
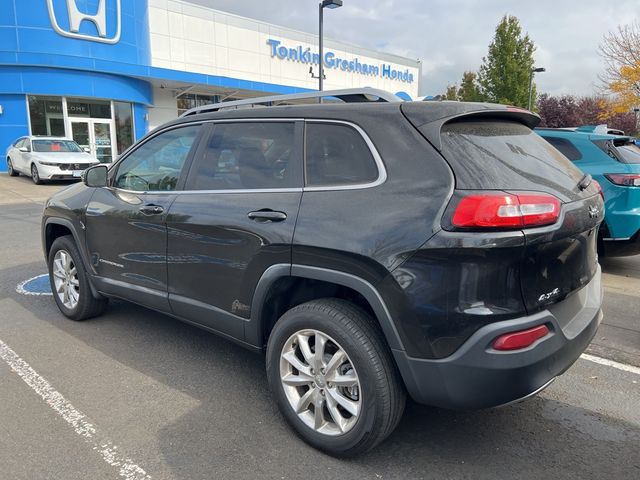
566 147
246 155
501 154
336 155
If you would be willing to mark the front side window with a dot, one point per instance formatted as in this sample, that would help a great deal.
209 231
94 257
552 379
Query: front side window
62 146
337 155
246 155
156 165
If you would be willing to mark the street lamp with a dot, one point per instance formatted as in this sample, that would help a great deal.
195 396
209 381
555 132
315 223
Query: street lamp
533 70
321 6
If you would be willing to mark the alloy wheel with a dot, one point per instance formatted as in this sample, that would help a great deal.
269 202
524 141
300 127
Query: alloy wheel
34 174
65 279
320 382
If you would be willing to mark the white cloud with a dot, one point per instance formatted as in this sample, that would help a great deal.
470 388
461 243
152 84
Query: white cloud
451 36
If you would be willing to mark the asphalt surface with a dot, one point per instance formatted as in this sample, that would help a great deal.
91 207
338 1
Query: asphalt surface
180 403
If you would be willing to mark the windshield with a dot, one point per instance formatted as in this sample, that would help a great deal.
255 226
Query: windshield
56 146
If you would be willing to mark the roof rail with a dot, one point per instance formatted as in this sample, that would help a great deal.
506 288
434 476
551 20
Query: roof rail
347 95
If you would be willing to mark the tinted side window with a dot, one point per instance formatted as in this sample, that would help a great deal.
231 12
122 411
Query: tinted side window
157 163
566 147
337 155
246 155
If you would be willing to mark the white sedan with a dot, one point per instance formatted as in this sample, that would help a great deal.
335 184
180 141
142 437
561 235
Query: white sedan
47 158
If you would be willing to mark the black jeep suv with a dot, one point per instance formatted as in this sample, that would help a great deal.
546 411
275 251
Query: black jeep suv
369 248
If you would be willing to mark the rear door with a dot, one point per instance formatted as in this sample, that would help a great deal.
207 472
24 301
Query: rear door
234 219
501 153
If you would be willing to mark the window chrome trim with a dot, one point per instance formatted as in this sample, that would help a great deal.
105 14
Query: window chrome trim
382 172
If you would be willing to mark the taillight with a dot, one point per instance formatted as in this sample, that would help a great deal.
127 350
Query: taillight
505 210
625 179
599 187
521 339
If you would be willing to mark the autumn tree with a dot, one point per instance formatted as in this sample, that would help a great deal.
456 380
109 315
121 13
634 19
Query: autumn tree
621 52
469 90
504 73
570 111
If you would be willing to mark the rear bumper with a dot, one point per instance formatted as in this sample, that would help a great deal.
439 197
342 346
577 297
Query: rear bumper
477 376
615 247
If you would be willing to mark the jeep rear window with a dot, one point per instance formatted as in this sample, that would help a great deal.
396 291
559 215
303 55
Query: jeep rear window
501 154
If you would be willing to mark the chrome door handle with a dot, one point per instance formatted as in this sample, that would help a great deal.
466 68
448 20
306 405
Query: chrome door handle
152 209
264 216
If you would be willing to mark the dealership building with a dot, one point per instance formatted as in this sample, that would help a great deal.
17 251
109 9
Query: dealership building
105 72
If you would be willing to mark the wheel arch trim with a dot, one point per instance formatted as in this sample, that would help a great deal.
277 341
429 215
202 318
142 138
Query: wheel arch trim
64 222
255 329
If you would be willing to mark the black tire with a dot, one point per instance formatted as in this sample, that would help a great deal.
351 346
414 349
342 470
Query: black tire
87 305
10 169
383 395
35 175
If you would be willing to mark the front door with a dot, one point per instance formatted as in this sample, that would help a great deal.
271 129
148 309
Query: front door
95 135
235 218
126 222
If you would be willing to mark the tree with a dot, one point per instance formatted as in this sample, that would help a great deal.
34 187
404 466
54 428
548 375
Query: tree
451 93
504 73
621 53
570 111
469 90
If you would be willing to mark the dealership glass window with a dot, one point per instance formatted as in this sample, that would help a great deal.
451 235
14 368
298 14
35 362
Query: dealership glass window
46 116
124 125
80 107
192 100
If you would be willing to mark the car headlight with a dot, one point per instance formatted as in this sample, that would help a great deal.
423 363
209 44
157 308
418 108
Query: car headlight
49 164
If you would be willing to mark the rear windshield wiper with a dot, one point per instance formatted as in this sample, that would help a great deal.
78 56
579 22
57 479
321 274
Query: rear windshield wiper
584 183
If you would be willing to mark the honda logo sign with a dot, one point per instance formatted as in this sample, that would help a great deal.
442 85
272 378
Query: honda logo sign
76 17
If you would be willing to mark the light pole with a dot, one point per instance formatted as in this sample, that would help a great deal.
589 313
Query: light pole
533 70
321 6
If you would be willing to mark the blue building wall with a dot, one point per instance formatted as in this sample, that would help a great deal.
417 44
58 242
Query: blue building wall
14 122
35 59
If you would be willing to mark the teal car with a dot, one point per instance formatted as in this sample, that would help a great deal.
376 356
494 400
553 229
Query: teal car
614 162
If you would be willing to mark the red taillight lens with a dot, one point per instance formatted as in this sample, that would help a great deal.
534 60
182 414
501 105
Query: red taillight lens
504 210
521 339
625 179
599 187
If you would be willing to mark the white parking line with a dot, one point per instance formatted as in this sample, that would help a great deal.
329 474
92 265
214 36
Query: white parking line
611 363
106 449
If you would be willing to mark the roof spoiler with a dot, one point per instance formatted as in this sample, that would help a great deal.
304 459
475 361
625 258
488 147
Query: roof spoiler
429 117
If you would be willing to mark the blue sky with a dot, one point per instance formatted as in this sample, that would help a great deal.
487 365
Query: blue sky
451 36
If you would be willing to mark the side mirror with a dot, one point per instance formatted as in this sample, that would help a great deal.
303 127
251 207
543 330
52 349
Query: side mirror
24 149
95 176
86 149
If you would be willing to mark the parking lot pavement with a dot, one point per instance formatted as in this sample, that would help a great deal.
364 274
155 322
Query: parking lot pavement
165 400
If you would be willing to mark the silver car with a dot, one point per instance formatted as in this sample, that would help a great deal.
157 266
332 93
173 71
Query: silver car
47 158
